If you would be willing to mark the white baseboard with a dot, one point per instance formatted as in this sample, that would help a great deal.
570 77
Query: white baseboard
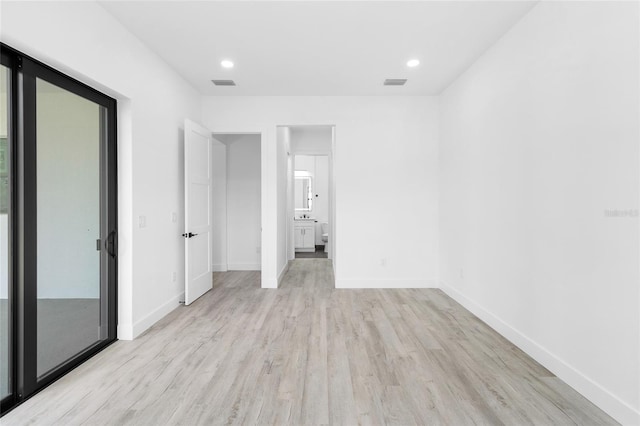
219 267
275 283
594 392
386 283
125 332
243 267
283 272
130 332
270 284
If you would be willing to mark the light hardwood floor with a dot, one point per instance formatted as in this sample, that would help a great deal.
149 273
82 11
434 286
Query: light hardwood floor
310 354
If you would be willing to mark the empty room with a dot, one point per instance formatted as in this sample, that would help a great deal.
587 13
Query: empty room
320 212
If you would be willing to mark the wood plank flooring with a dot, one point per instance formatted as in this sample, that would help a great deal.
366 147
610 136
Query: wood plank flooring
310 354
318 254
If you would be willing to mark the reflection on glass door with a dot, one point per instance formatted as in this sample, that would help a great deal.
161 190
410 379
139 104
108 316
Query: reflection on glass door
5 305
68 139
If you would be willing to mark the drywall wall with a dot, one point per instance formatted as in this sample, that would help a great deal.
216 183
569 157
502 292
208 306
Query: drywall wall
539 150
243 203
321 194
311 139
84 41
385 163
219 204
283 219
304 163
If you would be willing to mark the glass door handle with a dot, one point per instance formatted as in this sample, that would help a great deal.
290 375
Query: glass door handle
112 244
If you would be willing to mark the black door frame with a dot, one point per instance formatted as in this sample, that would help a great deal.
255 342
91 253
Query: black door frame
23 220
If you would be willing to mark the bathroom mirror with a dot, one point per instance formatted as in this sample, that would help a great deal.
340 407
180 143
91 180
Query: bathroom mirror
303 194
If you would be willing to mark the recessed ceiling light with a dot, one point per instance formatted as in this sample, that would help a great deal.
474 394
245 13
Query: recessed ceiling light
226 64
413 63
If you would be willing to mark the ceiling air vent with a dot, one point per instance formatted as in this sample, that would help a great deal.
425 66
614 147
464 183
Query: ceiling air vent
395 81
224 82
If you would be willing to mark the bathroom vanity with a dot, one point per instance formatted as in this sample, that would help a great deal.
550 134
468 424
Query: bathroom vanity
305 234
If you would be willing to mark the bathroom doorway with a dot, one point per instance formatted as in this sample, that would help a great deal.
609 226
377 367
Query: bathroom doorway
311 206
310 192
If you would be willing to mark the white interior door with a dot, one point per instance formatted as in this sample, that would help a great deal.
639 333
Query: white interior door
197 206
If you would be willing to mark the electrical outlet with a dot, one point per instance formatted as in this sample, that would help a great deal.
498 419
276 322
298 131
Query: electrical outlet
383 261
174 276
142 221
174 217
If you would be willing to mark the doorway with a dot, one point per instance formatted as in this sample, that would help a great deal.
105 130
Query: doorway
310 192
59 228
237 200
311 206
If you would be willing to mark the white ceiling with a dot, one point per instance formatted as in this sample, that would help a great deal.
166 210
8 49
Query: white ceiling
319 47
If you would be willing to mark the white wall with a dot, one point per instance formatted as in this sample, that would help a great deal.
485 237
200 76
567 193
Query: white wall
311 140
219 205
321 194
243 203
539 139
305 163
83 40
282 188
385 163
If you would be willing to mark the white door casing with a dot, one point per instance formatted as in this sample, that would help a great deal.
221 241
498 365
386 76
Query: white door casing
197 205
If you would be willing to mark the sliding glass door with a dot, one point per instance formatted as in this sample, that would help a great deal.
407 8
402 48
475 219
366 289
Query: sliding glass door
68 136
59 306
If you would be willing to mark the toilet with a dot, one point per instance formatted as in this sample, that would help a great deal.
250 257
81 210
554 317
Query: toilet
325 236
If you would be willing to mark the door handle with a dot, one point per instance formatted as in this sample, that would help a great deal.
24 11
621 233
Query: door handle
112 244
189 235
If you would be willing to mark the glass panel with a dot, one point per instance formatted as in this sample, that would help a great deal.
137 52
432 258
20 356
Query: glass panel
5 306
68 224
